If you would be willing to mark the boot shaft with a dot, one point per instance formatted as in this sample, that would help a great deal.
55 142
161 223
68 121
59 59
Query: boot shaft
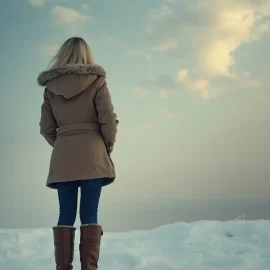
89 247
64 246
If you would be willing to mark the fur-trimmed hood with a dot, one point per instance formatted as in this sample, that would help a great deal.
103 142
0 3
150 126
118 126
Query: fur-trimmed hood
78 69
70 80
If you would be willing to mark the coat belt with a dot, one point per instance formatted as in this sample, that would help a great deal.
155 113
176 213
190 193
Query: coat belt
78 126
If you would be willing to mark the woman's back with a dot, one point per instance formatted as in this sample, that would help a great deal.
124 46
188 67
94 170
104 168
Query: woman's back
78 120
73 95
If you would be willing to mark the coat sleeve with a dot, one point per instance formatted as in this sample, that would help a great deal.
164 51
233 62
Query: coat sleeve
48 125
107 117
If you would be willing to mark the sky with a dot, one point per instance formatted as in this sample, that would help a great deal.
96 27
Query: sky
189 81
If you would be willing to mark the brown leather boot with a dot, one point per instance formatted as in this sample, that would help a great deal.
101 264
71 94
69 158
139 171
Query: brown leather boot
64 246
90 246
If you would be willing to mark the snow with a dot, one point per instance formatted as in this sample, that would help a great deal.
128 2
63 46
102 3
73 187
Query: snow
201 245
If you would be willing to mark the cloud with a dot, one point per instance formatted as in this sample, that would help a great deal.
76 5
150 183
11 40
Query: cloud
208 31
182 75
184 80
166 45
67 16
140 92
164 94
201 86
36 3
206 37
157 14
85 6
208 89
170 115
192 84
160 12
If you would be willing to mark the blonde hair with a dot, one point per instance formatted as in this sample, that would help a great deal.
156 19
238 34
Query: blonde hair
74 51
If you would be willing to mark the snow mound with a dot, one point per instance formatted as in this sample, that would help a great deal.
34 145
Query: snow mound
202 245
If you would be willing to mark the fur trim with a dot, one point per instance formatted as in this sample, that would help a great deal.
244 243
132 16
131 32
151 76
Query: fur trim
63 226
79 69
84 225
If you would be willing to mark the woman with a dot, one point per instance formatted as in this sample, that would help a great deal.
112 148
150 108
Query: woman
78 121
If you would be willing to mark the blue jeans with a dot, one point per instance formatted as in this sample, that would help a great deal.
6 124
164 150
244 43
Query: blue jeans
68 198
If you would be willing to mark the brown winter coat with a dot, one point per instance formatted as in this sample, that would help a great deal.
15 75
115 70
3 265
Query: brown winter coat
78 120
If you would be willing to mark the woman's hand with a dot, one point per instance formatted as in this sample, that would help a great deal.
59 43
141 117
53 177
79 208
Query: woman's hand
109 149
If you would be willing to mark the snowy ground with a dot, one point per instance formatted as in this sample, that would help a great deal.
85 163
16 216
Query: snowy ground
205 245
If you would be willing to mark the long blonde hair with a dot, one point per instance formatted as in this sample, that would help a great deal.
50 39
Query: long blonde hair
74 51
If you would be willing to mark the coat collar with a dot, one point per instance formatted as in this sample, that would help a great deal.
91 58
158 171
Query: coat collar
79 69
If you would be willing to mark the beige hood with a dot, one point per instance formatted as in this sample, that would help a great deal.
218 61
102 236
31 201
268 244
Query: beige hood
70 80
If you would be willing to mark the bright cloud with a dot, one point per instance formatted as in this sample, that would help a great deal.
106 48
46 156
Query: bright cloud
36 3
164 94
208 31
192 84
66 16
235 27
182 75
205 36
200 85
